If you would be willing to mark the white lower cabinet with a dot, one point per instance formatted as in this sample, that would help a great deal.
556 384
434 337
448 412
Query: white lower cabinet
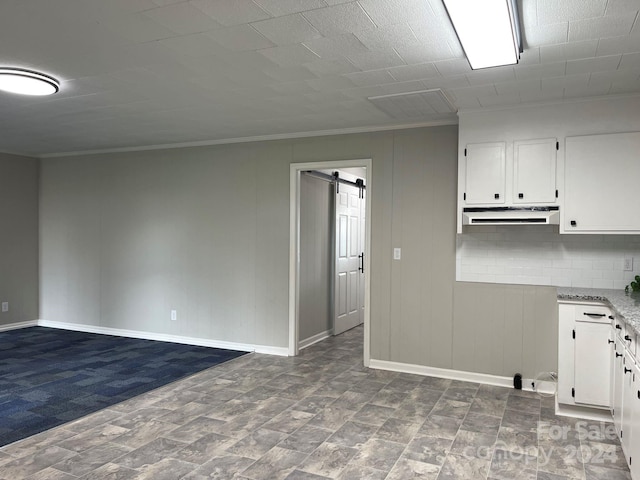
584 355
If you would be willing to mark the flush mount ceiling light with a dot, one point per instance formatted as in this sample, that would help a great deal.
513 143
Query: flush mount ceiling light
489 31
27 82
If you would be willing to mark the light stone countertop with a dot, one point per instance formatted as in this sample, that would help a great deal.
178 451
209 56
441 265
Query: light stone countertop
627 305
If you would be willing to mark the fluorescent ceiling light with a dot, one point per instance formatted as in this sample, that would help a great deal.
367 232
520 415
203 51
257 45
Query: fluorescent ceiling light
26 82
488 31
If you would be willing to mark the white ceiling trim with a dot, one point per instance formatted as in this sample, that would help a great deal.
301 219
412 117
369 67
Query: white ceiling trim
257 138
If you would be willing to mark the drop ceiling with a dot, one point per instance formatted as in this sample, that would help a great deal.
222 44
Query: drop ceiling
138 73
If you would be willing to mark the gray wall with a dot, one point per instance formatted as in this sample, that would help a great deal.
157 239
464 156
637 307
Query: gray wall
316 257
126 237
19 238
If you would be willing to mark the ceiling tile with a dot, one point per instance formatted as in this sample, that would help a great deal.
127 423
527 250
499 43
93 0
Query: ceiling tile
390 12
491 75
615 7
526 72
588 65
287 30
500 100
289 55
420 71
196 45
289 73
552 11
568 81
613 45
426 53
376 60
331 67
630 61
333 82
240 38
278 8
454 66
387 38
518 86
338 47
365 79
594 28
545 34
339 19
230 13
531 56
568 51
138 28
182 18
455 81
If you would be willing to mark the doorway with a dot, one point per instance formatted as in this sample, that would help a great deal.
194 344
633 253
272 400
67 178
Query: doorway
351 260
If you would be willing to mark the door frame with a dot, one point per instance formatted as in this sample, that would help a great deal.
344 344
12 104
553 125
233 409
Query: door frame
295 170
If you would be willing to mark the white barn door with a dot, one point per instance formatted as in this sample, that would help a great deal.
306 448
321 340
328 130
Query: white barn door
349 280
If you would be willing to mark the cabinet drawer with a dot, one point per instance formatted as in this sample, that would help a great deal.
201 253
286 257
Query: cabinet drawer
592 313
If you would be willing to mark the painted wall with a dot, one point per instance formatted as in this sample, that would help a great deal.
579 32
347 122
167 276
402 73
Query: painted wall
316 257
127 237
19 238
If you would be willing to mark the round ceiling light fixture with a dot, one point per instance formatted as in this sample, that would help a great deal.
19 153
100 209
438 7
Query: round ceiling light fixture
27 82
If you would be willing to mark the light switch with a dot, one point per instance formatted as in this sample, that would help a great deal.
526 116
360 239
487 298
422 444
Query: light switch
397 253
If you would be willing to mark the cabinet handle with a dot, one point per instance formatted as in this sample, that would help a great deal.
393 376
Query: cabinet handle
618 354
521 195
626 370
573 223
627 338
594 314
610 341
638 394
618 327
496 196
611 317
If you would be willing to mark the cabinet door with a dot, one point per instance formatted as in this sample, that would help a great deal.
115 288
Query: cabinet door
635 426
485 173
618 382
628 402
601 183
592 364
566 353
534 171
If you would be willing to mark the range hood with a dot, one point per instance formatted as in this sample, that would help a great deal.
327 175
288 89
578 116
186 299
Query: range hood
511 216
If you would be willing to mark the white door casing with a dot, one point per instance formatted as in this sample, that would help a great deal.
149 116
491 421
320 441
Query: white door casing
295 170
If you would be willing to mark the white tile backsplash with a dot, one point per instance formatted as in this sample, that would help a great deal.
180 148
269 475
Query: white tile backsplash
539 255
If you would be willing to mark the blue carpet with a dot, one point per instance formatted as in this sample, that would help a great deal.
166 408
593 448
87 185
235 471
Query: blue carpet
49 376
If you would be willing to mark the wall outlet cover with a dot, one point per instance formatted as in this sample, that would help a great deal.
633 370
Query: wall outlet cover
5 306
628 264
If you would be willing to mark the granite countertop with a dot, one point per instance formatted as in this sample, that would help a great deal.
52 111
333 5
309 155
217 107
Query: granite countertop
627 305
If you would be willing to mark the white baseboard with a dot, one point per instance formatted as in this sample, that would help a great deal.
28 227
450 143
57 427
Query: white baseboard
588 413
318 337
17 325
483 378
163 337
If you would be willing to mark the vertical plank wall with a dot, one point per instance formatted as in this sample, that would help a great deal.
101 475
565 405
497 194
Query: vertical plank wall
316 257
125 237
18 238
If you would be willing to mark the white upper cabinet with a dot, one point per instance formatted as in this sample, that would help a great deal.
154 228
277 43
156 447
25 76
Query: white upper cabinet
602 178
534 171
494 176
485 173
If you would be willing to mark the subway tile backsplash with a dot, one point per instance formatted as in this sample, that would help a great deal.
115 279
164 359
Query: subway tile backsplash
539 255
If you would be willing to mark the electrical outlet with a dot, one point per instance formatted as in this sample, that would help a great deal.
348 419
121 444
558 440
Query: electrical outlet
397 253
5 307
628 264
174 315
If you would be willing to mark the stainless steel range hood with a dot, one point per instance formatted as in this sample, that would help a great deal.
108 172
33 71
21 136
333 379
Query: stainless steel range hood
511 216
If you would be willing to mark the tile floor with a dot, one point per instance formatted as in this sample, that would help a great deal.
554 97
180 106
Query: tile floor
320 415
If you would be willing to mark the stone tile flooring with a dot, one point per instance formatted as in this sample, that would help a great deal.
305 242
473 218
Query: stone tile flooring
320 415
